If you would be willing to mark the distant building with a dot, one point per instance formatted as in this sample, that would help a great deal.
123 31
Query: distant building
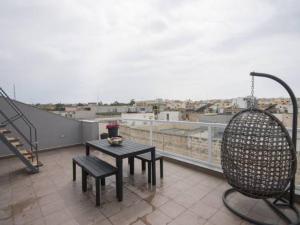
92 111
81 113
130 118
175 105
243 102
115 109
169 115
156 106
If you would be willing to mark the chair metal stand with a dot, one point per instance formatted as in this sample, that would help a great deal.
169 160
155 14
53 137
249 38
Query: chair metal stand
277 208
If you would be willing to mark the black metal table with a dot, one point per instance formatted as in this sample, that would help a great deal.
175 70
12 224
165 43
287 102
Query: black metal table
128 149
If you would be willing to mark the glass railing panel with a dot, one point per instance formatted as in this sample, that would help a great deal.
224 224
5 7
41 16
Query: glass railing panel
192 140
217 135
186 140
139 131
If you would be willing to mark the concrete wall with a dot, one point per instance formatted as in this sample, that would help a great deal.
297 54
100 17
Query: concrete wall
214 118
83 114
206 118
90 130
287 119
53 130
146 116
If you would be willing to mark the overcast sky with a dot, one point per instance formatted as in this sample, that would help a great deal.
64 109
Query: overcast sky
89 50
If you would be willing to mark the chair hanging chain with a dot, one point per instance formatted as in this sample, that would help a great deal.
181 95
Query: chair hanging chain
252 104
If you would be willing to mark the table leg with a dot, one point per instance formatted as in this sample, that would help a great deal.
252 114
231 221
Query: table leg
149 172
87 149
74 170
143 165
119 179
84 180
153 166
102 181
131 165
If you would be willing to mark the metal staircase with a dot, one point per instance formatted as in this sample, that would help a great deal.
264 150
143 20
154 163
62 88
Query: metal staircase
22 142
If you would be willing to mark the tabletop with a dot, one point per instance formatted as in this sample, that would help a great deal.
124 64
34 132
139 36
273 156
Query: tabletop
127 149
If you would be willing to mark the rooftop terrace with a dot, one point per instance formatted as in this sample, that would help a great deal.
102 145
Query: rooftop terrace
184 196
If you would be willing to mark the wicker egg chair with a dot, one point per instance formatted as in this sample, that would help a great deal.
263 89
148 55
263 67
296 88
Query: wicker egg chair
259 160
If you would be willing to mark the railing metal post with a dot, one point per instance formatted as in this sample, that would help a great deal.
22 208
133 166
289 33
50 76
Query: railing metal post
151 132
30 138
209 140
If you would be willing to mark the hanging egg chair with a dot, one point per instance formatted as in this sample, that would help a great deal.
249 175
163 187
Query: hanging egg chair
259 160
257 154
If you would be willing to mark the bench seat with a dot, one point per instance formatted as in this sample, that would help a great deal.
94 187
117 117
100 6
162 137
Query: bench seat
94 167
146 157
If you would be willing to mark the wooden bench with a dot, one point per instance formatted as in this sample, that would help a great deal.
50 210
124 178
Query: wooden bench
97 168
147 158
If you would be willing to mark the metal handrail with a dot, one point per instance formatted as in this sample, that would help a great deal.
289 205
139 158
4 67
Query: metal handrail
13 118
20 114
15 107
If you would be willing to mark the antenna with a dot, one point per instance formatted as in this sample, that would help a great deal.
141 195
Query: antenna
15 92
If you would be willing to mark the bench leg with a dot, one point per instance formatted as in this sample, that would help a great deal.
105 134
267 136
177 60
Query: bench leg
143 165
119 179
149 172
153 167
131 165
74 171
84 183
87 149
98 191
161 168
102 181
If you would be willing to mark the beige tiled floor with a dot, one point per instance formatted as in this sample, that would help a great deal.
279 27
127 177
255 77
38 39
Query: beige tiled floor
183 197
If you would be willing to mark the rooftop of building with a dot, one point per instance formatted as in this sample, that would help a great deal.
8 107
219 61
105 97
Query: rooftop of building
183 196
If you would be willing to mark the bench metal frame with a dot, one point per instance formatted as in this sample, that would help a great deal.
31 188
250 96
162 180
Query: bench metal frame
149 165
86 172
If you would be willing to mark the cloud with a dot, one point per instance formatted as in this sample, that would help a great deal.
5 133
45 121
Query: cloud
73 51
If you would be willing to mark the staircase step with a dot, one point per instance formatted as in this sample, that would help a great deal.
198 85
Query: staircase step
12 139
25 152
4 131
35 163
29 156
16 144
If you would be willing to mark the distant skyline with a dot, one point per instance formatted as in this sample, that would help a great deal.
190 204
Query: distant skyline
137 100
89 51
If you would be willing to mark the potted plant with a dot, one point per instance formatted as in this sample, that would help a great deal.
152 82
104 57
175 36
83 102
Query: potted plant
112 129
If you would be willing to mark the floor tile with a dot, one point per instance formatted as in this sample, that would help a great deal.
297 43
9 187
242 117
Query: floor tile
172 209
188 218
157 218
